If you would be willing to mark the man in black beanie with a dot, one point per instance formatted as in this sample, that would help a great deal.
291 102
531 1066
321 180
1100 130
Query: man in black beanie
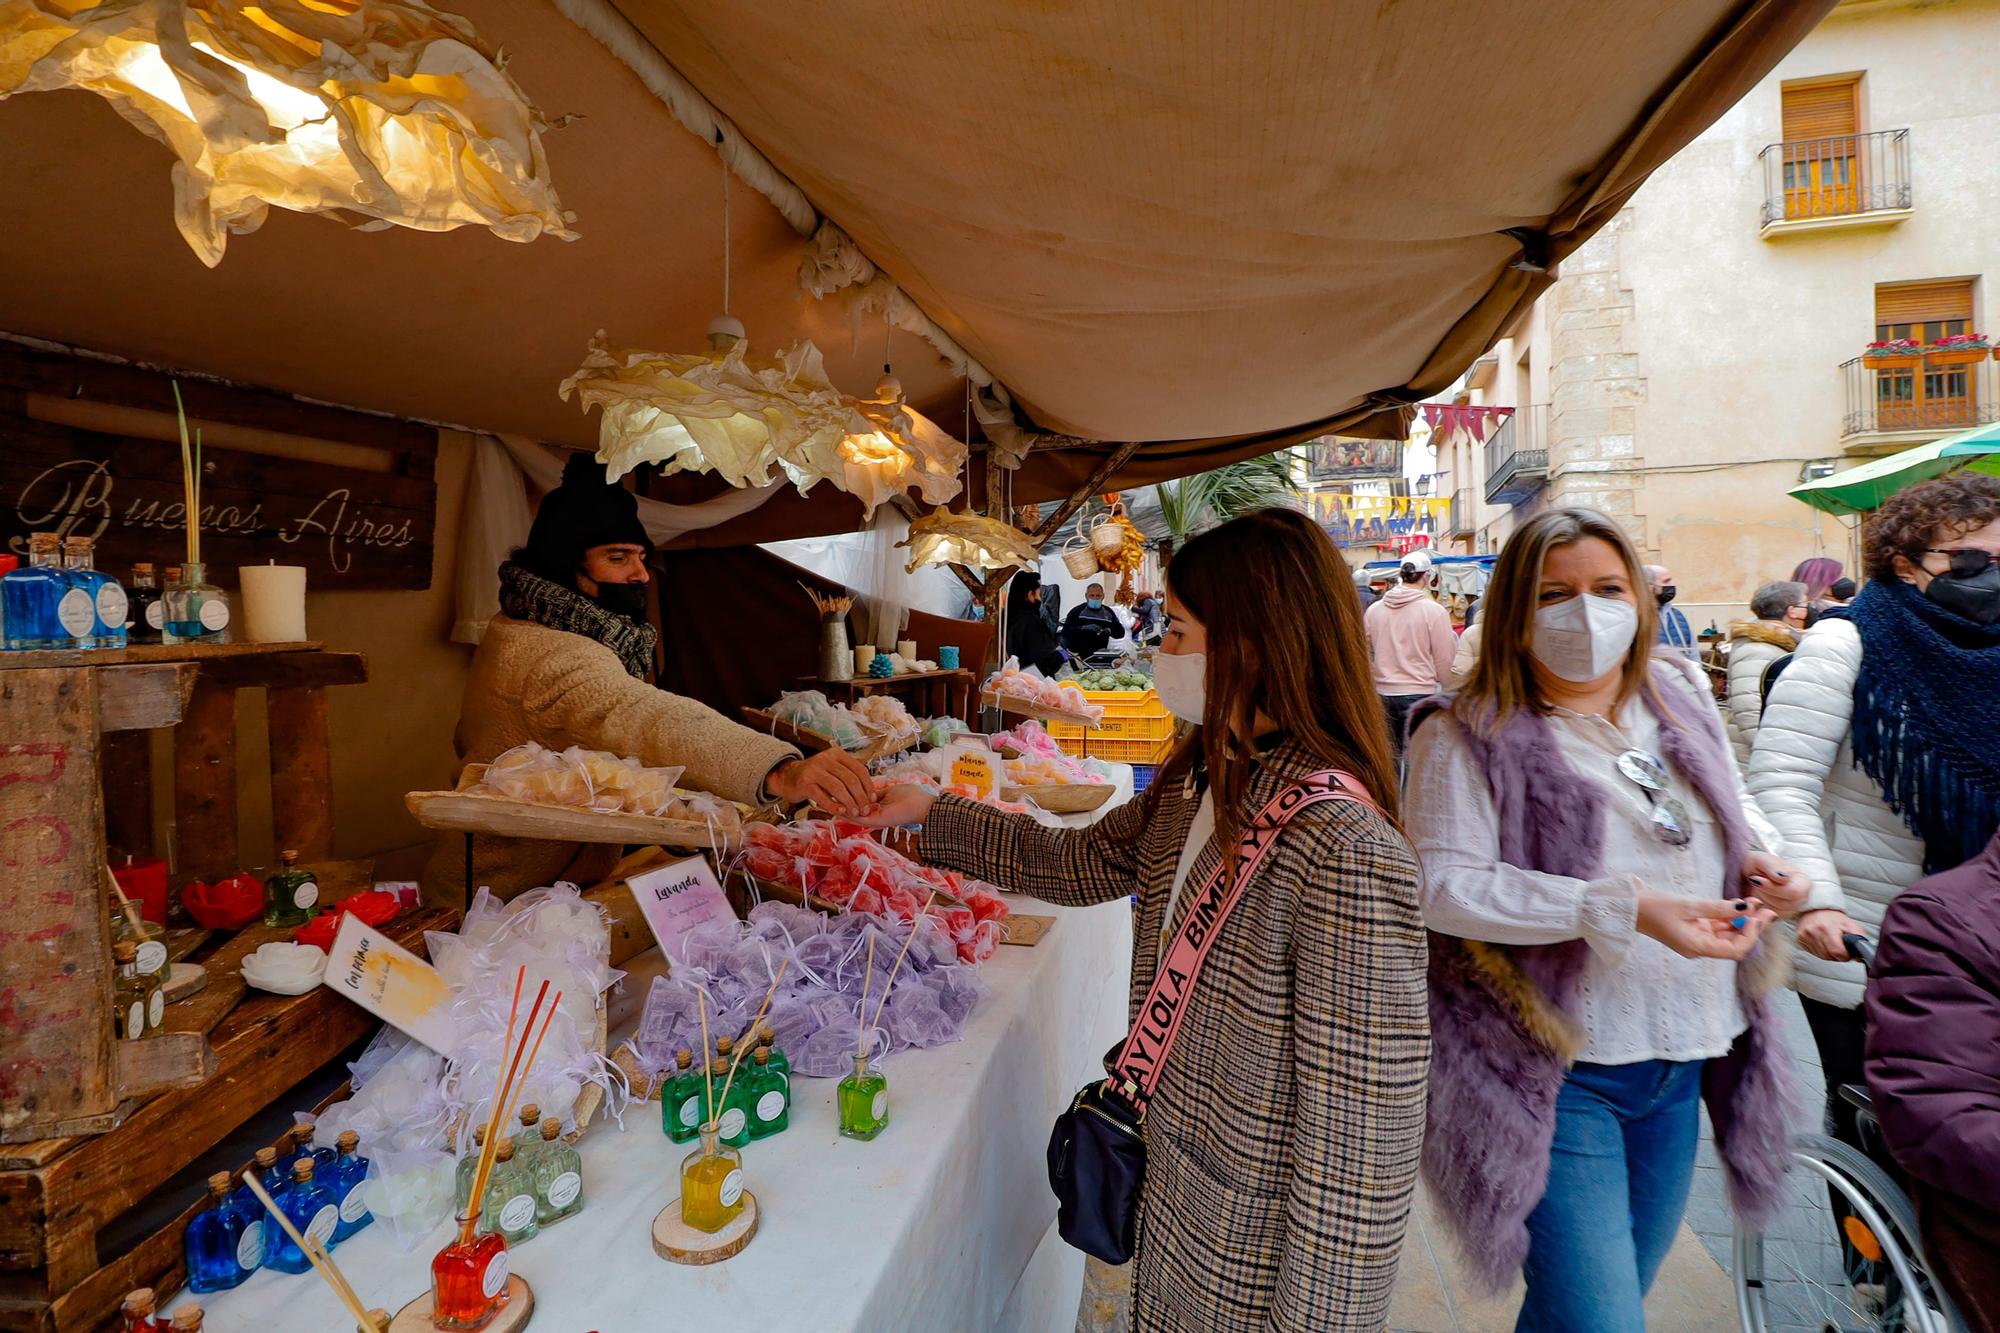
570 661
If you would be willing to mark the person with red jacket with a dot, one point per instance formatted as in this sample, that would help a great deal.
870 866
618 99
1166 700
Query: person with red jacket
1933 1066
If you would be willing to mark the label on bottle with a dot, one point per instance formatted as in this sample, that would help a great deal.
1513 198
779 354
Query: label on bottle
732 1188
771 1105
732 1123
517 1212
156 614
306 895
77 614
135 1019
691 1112
564 1189
353 1208
495 1276
214 615
156 1008
113 607
323 1223
880 1107
152 957
250 1247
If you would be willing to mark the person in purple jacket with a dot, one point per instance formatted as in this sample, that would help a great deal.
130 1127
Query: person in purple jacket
1933 1069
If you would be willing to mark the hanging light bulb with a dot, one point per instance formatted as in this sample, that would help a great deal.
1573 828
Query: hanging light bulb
375 112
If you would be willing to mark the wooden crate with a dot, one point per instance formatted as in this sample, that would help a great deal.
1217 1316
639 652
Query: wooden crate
57 1195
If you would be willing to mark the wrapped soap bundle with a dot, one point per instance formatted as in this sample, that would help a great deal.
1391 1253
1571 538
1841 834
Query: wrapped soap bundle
602 781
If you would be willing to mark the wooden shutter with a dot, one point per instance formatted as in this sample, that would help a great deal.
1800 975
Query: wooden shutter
1924 302
1820 110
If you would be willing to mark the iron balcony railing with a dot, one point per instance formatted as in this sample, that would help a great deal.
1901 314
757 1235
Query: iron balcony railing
1925 393
1464 516
1838 176
1517 456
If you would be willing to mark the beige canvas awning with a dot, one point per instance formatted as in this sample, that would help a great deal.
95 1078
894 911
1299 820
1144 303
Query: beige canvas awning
1213 226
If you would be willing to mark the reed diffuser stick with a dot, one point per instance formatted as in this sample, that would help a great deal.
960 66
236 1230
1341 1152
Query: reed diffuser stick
190 497
521 1083
325 1268
313 1247
860 1015
740 1047
491 1145
707 1065
890 984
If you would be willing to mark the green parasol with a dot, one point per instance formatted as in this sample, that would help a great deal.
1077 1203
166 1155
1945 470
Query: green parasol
1861 489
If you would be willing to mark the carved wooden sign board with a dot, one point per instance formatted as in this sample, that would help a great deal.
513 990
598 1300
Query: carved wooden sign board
349 527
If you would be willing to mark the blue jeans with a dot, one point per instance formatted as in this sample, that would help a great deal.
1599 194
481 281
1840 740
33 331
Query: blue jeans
1619 1173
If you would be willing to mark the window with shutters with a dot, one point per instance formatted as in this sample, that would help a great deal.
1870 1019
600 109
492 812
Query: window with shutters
1827 167
1942 392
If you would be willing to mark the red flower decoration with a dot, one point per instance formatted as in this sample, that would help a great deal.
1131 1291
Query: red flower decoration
227 904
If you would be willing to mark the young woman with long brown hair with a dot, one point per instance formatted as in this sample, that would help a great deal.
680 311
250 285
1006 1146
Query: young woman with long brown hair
1592 876
1283 1135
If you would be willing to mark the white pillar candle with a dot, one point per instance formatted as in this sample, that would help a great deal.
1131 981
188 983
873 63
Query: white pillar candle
274 603
907 649
864 657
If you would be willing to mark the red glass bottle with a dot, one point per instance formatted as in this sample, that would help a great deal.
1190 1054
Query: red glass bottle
136 1314
469 1281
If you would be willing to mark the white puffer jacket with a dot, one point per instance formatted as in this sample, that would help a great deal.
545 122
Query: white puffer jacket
1753 646
1836 825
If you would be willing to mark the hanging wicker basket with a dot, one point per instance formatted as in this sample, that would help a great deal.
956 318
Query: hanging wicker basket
1080 560
1107 537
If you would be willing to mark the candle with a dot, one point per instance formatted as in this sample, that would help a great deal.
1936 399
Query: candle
274 603
907 649
948 657
864 657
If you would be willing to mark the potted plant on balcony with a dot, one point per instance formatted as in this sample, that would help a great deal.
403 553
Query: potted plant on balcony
1961 349
1893 354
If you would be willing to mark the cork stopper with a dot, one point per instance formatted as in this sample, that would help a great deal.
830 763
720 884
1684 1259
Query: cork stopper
531 1115
348 1141
218 1184
684 1059
479 1133
288 857
302 1133
142 568
763 1056
44 543
139 1301
505 1151
125 952
187 1319
302 1170
267 1158
723 1046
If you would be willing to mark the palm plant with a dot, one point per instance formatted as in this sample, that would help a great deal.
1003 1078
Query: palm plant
1216 496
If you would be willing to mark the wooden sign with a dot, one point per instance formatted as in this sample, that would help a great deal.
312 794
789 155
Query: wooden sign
350 528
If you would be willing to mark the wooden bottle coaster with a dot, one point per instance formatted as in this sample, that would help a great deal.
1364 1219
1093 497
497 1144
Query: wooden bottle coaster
416 1316
677 1242
184 979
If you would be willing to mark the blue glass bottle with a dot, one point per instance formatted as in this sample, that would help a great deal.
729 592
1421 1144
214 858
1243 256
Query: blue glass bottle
28 596
350 1168
213 1242
312 1209
107 608
323 1156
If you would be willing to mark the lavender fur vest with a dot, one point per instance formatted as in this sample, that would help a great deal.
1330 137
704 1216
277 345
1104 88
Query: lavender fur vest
1503 1018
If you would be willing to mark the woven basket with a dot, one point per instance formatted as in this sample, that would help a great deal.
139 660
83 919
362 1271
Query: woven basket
1081 561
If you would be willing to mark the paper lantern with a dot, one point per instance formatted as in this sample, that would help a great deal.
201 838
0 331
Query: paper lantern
974 540
374 112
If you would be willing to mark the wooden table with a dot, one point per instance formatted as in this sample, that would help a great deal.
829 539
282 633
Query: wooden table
926 693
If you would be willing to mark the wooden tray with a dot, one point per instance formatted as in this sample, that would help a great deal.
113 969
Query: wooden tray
812 742
1015 704
465 811
1068 798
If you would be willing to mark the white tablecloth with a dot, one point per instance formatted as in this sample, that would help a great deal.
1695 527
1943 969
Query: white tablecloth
932 1225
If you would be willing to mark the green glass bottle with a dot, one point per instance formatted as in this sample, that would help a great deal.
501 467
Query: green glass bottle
468 1166
770 1097
769 1042
680 1100
528 1138
863 1098
558 1176
733 1122
509 1208
290 894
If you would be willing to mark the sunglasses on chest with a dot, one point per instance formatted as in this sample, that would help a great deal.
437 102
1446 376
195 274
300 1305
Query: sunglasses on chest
1670 817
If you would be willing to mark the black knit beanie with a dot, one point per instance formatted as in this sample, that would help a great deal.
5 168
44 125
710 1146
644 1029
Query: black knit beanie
584 511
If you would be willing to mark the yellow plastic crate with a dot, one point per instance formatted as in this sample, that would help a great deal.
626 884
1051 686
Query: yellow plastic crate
1128 751
1128 703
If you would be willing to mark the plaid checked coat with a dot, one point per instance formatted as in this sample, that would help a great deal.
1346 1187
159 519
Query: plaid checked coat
1282 1143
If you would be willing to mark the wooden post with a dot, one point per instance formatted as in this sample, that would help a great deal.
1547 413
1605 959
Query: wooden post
205 783
56 1048
301 772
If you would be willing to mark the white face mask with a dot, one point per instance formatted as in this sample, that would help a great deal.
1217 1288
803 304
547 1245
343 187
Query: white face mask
1584 638
1181 680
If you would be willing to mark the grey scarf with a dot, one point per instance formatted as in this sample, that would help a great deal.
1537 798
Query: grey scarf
526 595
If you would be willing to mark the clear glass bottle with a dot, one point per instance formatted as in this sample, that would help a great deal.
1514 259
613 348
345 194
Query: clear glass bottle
148 612
108 606
312 1209
469 1281
468 1166
711 1183
509 1206
863 1097
29 596
212 1241
770 1097
135 999
680 1100
528 1138
136 1314
152 952
558 1173
197 611
290 894
350 1170
733 1116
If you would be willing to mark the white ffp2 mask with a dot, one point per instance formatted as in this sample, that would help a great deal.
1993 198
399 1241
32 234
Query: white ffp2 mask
1584 638
1181 680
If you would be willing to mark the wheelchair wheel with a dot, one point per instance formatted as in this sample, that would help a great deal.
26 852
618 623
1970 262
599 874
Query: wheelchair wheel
1797 1275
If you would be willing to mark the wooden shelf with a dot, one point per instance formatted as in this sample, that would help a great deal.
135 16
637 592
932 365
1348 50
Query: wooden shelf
24 659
